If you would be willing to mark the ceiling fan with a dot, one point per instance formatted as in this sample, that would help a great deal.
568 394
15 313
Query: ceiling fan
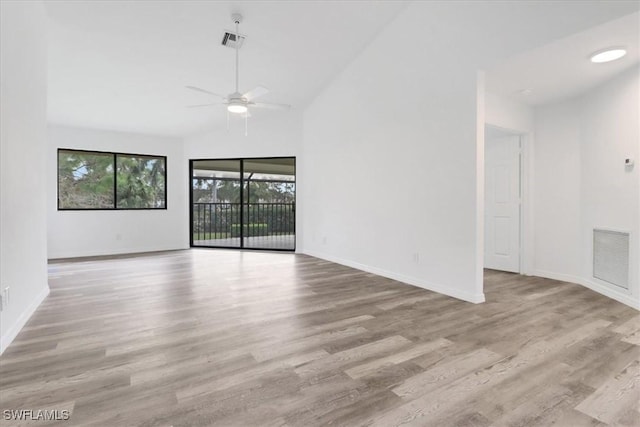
237 102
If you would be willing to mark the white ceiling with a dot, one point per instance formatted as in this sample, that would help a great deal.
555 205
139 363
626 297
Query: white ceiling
562 69
123 65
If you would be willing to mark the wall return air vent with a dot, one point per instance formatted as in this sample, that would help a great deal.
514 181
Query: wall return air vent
611 257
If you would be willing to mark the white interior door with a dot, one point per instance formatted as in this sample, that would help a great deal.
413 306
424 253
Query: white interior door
502 203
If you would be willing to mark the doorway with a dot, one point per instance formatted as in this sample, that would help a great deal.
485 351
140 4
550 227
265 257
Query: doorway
243 203
503 200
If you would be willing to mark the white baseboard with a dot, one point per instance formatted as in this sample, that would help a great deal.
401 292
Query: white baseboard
13 331
556 276
620 296
441 289
120 251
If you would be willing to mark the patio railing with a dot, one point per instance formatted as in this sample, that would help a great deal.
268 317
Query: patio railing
222 220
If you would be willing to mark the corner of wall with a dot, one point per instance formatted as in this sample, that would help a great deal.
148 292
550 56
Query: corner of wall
23 110
23 318
475 298
624 298
580 178
480 173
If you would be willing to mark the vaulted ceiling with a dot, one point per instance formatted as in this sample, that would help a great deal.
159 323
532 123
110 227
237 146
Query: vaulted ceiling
124 65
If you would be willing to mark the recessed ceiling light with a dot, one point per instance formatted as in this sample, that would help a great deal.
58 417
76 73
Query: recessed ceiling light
526 92
608 54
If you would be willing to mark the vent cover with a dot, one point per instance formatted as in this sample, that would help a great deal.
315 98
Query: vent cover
229 40
611 257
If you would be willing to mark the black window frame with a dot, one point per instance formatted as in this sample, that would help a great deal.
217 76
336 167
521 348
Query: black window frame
114 154
242 203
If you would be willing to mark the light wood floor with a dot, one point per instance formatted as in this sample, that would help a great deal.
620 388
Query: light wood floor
211 337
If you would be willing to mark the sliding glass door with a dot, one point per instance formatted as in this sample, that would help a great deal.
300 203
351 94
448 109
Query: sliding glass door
243 203
269 203
216 206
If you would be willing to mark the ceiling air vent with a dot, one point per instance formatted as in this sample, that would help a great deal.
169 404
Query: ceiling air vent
229 40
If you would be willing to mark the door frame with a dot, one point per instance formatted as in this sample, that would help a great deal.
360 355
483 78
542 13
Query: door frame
241 160
525 266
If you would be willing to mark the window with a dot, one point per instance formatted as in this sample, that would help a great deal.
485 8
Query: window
140 182
98 180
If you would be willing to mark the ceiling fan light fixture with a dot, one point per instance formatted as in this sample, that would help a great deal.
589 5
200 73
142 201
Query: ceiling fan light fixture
607 55
237 102
237 108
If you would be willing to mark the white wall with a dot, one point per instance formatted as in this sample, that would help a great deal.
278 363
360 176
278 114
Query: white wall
23 256
390 169
89 233
557 189
393 146
581 182
507 114
279 134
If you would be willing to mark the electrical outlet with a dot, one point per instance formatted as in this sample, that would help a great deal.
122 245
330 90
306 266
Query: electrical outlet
324 240
416 257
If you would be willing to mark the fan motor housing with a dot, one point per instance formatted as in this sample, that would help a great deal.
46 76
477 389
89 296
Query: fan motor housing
236 97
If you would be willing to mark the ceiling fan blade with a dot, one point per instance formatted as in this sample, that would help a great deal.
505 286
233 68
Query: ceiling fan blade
255 93
197 89
270 106
204 105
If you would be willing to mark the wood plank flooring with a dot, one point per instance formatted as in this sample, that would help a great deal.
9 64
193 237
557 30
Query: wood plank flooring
213 337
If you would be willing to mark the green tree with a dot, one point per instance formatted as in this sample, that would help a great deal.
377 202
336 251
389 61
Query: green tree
271 192
140 182
85 180
228 191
